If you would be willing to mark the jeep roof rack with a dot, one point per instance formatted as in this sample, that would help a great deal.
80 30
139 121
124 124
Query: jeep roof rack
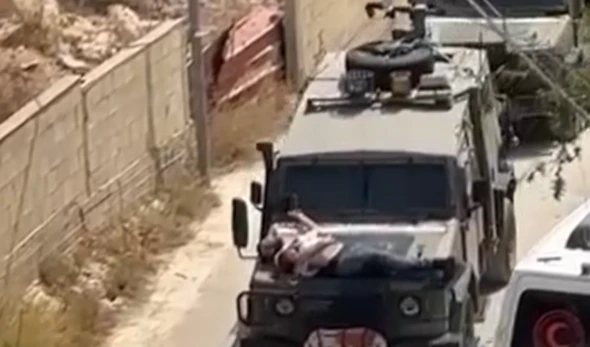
426 99
358 90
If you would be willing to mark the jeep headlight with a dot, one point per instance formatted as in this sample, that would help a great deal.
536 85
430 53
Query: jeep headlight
410 306
284 307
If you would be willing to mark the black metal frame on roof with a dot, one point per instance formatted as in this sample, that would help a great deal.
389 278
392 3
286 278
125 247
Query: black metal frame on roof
315 104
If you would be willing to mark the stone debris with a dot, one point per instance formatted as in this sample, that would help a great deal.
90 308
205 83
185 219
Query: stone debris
29 65
74 36
74 40
126 22
75 65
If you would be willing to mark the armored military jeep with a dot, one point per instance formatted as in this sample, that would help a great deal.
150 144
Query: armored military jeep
407 158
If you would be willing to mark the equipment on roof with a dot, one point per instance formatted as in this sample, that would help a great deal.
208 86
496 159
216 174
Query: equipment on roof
382 58
390 81
398 65
359 90
417 12
358 82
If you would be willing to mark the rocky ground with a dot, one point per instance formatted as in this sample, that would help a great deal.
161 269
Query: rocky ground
41 41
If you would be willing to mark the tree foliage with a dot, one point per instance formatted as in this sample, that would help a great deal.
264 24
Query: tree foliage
567 123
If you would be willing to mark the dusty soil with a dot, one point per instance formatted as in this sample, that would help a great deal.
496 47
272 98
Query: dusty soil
78 295
6 8
23 74
80 34
33 55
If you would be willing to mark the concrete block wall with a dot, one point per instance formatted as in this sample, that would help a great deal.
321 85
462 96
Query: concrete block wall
167 82
41 167
87 147
117 104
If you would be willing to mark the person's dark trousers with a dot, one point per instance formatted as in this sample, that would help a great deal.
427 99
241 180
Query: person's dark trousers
360 260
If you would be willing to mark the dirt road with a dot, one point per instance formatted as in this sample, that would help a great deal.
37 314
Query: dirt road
184 289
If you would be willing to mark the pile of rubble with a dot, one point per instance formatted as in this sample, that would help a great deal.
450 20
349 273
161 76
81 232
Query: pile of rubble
41 41
77 42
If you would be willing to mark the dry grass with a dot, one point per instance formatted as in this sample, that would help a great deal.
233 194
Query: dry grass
20 84
34 325
237 125
130 248
79 295
24 73
63 316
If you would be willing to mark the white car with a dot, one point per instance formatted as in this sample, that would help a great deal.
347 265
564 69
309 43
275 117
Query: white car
547 302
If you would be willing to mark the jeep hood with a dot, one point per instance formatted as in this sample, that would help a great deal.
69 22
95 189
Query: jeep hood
530 33
431 239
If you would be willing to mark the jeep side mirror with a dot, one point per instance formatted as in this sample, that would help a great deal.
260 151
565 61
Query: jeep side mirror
239 222
255 193
478 191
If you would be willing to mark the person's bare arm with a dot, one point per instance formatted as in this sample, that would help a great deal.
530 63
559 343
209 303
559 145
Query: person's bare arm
303 219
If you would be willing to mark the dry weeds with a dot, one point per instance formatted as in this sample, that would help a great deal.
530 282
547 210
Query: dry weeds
88 33
24 73
33 325
261 113
78 296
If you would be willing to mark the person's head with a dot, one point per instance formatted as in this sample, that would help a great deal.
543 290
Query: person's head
285 259
269 247
273 249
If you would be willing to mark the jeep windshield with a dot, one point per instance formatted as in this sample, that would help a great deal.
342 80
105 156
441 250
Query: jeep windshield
400 190
462 8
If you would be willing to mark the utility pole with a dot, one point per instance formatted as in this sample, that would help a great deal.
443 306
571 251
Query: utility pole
198 90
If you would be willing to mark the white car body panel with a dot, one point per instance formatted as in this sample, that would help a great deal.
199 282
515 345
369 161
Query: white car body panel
530 33
549 267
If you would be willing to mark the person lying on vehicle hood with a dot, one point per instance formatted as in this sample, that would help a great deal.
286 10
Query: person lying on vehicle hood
313 252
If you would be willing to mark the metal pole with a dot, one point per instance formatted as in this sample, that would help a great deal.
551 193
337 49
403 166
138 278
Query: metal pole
198 90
